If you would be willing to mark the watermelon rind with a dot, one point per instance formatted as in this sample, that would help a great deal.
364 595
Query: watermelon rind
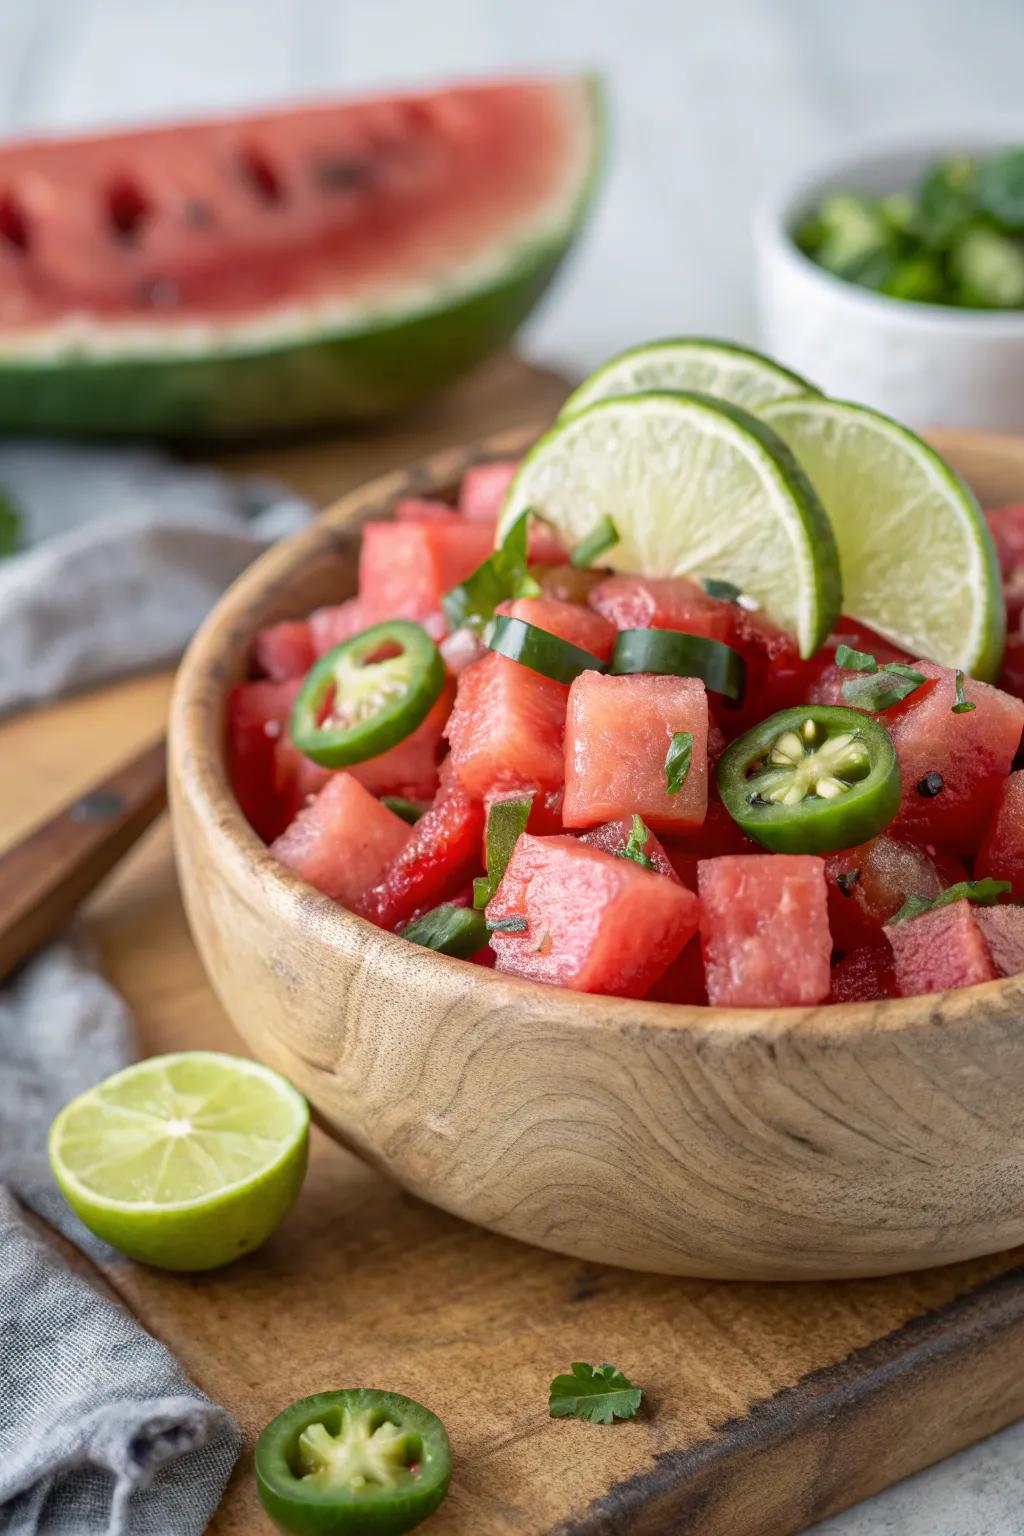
202 386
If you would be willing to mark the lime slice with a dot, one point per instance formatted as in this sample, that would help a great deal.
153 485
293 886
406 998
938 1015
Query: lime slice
690 362
184 1161
695 487
916 556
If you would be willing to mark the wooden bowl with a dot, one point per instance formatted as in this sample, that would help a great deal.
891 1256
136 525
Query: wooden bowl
774 1144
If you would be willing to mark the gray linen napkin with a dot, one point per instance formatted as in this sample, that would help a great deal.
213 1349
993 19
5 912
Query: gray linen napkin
101 1433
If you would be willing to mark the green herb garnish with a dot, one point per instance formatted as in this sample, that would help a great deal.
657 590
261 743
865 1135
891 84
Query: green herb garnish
597 1393
600 538
409 810
890 685
502 576
855 661
506 822
726 591
450 930
963 704
677 761
636 843
508 925
986 892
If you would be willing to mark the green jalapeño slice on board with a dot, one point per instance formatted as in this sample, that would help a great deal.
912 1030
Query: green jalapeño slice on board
352 1463
811 779
367 694
695 487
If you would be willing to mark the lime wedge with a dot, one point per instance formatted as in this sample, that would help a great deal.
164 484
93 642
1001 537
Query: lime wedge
695 487
690 362
184 1161
916 556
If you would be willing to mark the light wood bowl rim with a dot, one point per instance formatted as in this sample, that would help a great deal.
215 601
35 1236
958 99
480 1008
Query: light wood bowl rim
197 761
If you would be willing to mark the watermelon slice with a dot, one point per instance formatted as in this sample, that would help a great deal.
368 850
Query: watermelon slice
671 602
578 917
506 728
764 930
939 950
231 277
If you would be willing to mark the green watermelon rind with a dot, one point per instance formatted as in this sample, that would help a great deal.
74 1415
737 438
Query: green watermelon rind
304 381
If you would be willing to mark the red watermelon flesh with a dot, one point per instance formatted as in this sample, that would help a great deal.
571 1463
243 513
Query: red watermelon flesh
257 716
764 930
483 489
545 818
1011 678
442 854
614 836
617 733
1007 528
865 975
1001 854
334 625
506 728
671 602
868 884
683 981
939 950
297 779
406 568
343 842
284 650
569 621
972 751
594 923
1003 931
566 584
419 509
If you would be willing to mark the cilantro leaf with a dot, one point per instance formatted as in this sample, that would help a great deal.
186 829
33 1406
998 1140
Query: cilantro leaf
890 685
963 704
677 761
726 591
501 576
636 843
508 925
855 661
506 821
10 527
598 1393
602 537
450 930
986 892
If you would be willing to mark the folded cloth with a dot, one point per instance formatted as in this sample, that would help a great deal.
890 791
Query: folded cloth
100 1429
124 553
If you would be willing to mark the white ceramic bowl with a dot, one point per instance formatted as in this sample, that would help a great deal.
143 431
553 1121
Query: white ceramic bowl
926 365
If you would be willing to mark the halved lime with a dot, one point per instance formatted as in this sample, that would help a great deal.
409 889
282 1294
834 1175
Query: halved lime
184 1161
915 552
716 368
695 487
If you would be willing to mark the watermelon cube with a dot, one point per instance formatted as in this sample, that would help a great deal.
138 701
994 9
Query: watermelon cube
971 752
506 728
593 922
483 489
257 717
343 842
420 509
865 975
868 884
614 836
1003 931
284 650
440 857
617 733
334 625
764 930
566 584
569 621
940 949
668 602
297 779
410 767
684 981
1006 525
406 568
1001 854
1011 678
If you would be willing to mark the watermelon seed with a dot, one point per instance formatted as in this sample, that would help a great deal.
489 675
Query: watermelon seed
128 208
931 785
13 223
259 173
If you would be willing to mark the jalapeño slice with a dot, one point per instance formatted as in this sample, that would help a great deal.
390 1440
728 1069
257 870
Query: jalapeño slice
449 929
719 667
352 1463
811 779
367 694
541 651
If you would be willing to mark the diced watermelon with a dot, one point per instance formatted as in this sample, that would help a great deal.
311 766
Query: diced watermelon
594 923
1011 678
1001 854
406 568
667 602
343 842
545 818
617 733
614 836
718 835
865 975
419 509
868 884
569 621
441 855
1007 528
410 767
334 625
506 728
821 681
972 751
764 930
483 489
257 714
683 982
1003 931
939 950
297 779
284 650
566 584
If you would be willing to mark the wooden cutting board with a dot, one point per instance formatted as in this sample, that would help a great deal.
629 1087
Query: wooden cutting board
767 1407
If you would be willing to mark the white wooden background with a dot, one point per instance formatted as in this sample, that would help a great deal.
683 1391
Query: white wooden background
711 100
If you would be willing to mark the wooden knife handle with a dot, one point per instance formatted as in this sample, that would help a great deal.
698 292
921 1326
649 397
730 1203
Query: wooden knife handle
47 876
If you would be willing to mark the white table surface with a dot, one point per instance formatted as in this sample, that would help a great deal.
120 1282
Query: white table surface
710 100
